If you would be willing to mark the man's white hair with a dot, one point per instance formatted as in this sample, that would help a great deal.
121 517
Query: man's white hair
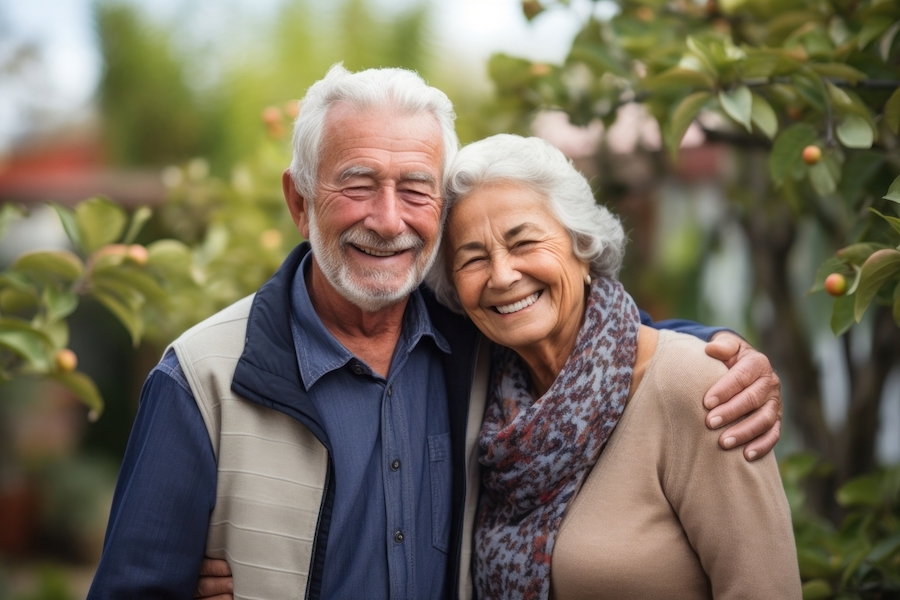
398 89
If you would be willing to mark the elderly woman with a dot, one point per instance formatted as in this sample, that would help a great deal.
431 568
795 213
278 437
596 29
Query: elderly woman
600 479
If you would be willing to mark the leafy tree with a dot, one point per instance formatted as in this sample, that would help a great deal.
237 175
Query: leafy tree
770 80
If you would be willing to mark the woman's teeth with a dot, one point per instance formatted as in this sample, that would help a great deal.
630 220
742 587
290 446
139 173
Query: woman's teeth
517 306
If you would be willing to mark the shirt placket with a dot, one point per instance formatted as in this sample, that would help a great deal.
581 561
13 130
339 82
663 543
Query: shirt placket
398 487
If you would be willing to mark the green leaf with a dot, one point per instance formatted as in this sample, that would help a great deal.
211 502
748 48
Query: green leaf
8 214
140 281
892 112
842 315
893 193
873 27
677 78
12 301
860 491
738 104
702 53
857 254
47 265
817 589
764 117
787 150
885 548
100 222
58 333
70 224
798 466
839 71
814 562
60 303
896 309
83 388
138 219
126 310
878 268
861 167
854 132
683 117
892 221
598 57
822 179
25 341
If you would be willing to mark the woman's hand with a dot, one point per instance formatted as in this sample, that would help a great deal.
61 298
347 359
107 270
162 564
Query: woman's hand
215 580
750 388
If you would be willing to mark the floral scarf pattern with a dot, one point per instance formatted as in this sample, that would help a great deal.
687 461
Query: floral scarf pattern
537 452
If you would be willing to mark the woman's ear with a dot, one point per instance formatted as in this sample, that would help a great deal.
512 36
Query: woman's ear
296 203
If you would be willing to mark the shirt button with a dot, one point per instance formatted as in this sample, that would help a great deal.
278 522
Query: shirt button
357 368
398 537
395 464
390 390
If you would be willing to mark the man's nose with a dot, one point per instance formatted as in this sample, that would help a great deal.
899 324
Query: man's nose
385 216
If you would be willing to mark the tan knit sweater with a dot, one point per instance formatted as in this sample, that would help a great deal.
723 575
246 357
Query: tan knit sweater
665 513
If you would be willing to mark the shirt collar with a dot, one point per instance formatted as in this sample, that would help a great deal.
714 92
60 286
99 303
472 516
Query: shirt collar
319 352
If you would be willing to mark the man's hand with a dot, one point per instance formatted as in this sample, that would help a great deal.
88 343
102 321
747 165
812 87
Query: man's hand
750 388
215 580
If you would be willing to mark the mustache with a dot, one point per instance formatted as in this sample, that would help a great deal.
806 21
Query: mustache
369 239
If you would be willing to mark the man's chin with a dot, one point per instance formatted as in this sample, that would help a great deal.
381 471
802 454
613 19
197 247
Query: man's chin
373 297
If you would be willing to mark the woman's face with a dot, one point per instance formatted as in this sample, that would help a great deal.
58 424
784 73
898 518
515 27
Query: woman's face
514 270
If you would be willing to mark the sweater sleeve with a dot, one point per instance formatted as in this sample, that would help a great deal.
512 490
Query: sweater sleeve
156 536
734 512
682 326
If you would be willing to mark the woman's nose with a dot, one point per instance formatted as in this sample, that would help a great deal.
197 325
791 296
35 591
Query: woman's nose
503 272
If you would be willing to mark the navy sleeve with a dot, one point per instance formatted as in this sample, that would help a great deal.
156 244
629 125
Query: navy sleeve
156 536
683 326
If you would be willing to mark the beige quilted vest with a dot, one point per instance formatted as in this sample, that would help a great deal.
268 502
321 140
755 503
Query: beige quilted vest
271 469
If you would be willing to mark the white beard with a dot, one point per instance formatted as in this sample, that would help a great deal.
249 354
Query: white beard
376 292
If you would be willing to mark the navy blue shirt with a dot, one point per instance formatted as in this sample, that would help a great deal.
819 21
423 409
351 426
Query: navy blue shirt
390 441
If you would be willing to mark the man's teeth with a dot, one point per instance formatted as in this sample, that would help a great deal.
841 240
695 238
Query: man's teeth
377 253
516 306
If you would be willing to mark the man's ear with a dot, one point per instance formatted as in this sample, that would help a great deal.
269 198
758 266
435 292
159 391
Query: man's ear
296 203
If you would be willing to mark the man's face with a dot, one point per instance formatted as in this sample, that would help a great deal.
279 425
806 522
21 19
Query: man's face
374 224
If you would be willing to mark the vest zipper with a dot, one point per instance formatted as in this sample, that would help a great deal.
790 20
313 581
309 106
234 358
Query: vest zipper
315 544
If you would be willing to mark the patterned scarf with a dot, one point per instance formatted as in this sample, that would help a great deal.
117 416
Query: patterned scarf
537 452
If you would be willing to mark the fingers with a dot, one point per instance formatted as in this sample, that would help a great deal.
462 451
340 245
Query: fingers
760 431
750 381
219 588
764 443
215 581
725 346
215 567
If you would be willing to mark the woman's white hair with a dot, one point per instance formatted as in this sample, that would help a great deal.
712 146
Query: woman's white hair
597 235
398 89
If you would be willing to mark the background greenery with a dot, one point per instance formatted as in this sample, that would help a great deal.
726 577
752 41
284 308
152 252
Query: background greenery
761 80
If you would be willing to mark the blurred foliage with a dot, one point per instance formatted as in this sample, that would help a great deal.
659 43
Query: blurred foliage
42 288
782 76
166 98
860 559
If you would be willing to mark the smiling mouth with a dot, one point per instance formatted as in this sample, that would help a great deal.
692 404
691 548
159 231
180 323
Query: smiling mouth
377 253
517 306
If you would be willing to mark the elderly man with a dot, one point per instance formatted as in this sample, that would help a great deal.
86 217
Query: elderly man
318 435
